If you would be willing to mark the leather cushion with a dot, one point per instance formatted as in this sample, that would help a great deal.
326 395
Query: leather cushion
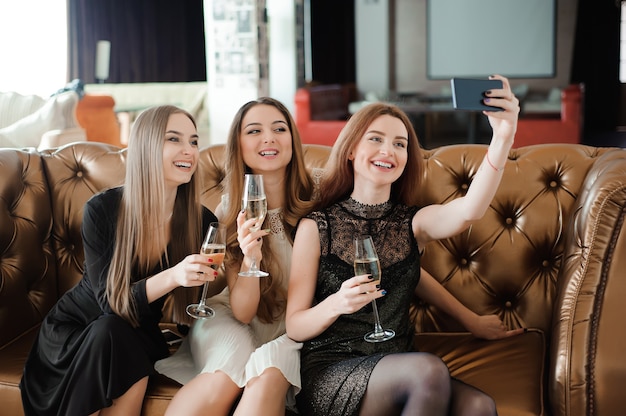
511 369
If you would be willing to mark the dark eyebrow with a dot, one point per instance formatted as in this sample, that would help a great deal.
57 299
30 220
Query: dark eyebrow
255 123
380 133
179 133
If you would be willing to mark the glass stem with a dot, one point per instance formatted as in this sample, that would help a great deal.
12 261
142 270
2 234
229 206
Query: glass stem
205 288
253 265
378 329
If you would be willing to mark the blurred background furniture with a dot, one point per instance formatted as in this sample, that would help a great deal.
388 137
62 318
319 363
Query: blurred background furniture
548 255
558 119
321 111
34 121
95 114
132 98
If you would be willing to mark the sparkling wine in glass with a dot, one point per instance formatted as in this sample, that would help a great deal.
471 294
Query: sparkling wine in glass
254 202
366 262
213 247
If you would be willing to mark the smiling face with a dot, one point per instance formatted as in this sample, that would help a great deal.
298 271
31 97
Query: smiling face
180 150
380 156
266 143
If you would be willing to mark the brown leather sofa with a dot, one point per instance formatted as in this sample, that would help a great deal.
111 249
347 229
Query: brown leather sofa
549 255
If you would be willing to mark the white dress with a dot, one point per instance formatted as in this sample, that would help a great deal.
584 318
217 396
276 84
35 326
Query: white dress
239 350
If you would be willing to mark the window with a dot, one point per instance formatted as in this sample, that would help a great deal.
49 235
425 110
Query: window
622 44
33 46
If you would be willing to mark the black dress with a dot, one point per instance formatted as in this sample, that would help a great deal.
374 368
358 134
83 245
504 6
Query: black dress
337 364
84 355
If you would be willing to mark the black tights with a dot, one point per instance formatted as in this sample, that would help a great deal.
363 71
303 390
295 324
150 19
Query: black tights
419 384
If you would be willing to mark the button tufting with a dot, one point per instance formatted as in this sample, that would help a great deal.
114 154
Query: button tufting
509 221
508 304
464 186
553 184
545 263
79 174
464 262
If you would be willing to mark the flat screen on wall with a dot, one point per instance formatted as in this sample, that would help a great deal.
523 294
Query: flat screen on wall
476 38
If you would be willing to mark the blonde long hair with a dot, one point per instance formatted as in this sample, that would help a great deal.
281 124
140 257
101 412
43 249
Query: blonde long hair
137 239
338 180
298 192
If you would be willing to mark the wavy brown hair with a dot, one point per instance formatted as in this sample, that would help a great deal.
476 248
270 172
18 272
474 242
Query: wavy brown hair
338 180
298 192
139 243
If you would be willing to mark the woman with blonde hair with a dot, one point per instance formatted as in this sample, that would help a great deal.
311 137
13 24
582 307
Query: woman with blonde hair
98 344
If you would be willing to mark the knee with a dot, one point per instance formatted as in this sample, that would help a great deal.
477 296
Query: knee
480 405
436 376
270 380
110 326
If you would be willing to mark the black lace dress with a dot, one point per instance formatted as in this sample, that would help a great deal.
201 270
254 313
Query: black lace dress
336 365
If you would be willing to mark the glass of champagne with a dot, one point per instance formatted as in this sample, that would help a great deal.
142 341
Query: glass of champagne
254 203
366 262
213 247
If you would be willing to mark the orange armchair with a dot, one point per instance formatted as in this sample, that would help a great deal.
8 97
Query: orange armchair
566 129
321 111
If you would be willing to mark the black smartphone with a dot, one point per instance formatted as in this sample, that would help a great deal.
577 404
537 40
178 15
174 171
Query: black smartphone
171 337
468 94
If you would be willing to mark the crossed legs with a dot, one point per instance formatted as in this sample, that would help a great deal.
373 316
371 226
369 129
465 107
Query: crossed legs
419 384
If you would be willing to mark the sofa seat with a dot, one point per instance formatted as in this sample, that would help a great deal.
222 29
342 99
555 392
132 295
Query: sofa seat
548 255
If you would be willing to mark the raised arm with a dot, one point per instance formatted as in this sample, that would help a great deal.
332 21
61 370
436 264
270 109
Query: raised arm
442 221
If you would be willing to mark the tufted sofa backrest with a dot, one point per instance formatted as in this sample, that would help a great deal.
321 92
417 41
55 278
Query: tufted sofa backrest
507 263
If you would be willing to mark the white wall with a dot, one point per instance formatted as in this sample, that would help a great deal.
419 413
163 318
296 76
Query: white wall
372 45
281 17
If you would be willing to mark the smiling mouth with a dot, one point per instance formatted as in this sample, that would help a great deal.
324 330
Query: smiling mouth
380 164
268 153
182 164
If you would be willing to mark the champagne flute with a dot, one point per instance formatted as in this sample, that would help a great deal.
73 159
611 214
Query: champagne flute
254 203
213 247
366 262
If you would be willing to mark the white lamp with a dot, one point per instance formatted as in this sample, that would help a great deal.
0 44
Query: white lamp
103 54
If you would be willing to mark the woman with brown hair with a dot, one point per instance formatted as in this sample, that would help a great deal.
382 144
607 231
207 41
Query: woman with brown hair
370 186
243 352
97 345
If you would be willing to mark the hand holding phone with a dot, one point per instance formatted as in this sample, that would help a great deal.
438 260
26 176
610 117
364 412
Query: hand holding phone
468 94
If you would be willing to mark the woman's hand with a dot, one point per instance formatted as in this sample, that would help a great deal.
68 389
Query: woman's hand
503 123
491 327
194 270
355 293
249 242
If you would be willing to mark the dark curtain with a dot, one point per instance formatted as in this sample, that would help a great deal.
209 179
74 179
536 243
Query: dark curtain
333 42
151 40
596 64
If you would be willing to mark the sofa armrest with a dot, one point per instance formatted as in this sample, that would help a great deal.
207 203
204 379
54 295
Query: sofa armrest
588 370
